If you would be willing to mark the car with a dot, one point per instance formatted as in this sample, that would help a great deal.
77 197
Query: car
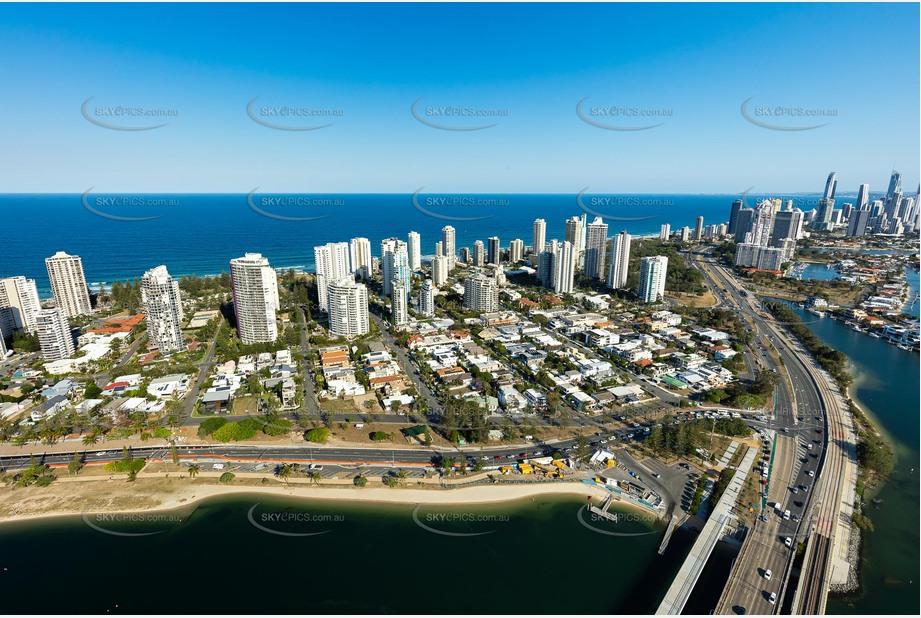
498 457
773 598
788 542
767 574
810 473
795 518
484 457
805 488
522 454
656 475
510 457
536 453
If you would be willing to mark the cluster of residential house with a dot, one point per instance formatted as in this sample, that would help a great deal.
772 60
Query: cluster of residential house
377 368
230 376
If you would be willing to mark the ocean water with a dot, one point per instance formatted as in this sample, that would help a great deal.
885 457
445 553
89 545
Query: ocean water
200 234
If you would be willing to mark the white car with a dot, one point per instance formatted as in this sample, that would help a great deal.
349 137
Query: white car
810 473
773 598
767 574
788 542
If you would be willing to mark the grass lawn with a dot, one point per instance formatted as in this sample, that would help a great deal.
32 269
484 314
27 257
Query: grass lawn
339 406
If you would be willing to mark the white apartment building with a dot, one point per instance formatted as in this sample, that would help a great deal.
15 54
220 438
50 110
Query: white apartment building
348 308
540 236
652 278
620 261
596 238
255 298
427 298
163 308
331 263
54 334
19 304
414 247
360 257
68 284
440 270
399 303
481 294
394 264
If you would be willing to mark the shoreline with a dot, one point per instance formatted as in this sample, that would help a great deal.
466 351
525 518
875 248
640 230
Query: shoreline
192 494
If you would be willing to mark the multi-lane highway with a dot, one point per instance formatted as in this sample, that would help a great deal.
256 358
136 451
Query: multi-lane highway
823 464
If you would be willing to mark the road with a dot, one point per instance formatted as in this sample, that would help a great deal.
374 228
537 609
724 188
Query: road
800 421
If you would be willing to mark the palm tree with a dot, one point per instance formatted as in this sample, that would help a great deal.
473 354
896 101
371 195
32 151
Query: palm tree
194 469
90 439
315 477
401 475
284 471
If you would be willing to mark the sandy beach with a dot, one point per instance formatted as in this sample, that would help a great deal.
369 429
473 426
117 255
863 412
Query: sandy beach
75 496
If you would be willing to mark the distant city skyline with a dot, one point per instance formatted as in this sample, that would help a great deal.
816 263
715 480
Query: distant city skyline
545 88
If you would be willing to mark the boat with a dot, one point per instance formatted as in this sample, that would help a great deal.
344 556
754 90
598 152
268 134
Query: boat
875 335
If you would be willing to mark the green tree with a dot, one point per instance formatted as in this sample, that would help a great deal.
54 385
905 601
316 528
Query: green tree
317 434
75 465
360 481
194 469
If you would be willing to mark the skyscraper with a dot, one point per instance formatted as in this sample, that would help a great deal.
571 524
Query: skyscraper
19 304
863 197
540 236
744 223
620 261
564 267
786 225
493 254
163 308
427 298
440 270
54 335
68 284
360 257
895 185
448 242
665 231
414 247
515 251
699 229
596 239
394 264
652 278
348 308
479 253
331 263
830 185
857 226
399 303
734 215
481 294
762 223
574 229
254 286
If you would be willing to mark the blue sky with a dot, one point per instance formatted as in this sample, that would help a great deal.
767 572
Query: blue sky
536 62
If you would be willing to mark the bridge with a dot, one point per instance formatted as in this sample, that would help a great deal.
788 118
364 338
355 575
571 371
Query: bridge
681 588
